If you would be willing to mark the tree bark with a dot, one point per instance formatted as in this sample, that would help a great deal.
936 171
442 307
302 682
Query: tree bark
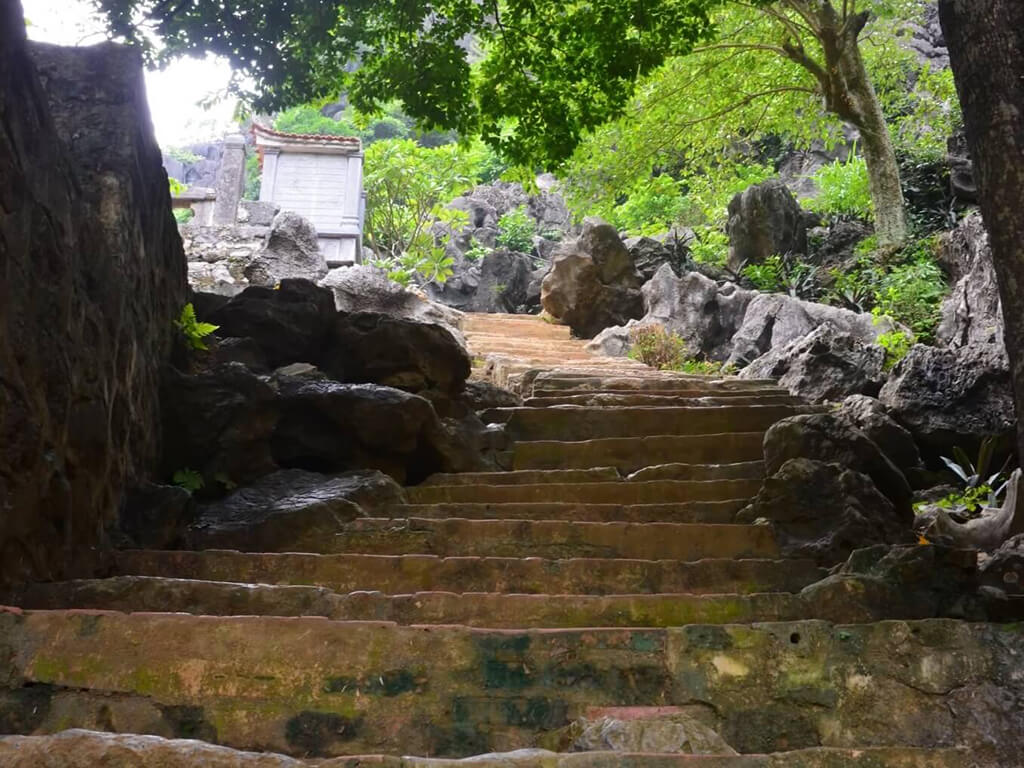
986 47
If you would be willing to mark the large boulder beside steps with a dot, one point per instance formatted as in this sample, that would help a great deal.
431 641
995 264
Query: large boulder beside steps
292 249
765 220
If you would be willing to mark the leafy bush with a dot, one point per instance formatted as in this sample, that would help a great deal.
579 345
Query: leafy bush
652 207
783 274
476 253
896 345
407 187
306 118
912 294
664 350
193 330
183 215
980 489
188 479
845 190
516 230
710 247
176 187
766 276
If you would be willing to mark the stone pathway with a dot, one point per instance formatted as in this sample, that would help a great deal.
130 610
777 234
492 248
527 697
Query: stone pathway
600 576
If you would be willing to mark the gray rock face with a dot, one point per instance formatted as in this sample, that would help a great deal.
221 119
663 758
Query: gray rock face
672 733
290 510
1004 568
825 437
498 283
951 397
649 253
481 395
258 213
823 365
825 511
765 220
291 250
593 283
869 416
971 314
93 278
362 288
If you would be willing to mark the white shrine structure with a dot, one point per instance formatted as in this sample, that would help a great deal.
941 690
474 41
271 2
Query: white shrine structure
321 178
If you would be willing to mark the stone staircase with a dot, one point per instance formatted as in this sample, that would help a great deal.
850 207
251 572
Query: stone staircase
600 576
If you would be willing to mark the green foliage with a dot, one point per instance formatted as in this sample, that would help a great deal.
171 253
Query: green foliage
782 274
407 187
896 345
845 189
652 207
193 330
665 350
710 247
306 118
766 276
183 215
516 230
979 487
188 479
184 156
253 176
476 252
176 187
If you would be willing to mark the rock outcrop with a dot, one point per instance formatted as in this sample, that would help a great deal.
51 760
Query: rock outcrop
971 314
93 279
291 250
497 283
593 283
765 220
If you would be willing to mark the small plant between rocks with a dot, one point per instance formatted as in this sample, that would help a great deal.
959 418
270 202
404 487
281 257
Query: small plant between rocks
665 350
193 330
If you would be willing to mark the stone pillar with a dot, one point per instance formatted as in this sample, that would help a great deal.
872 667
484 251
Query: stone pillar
230 180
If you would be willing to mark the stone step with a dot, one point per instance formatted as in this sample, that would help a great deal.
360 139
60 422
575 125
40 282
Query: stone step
88 749
550 538
565 382
691 392
618 492
677 512
583 423
750 469
470 609
695 400
629 454
402 574
316 687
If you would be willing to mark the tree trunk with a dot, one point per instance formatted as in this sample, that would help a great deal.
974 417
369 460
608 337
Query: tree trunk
986 47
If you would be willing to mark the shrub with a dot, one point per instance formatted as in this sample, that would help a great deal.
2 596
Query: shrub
653 206
664 350
516 230
845 190
183 215
896 345
188 479
175 186
710 247
766 276
184 156
912 294
476 253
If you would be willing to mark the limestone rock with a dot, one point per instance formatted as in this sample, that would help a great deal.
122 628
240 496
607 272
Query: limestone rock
498 283
290 510
824 511
481 395
366 347
826 437
971 314
291 250
289 324
951 397
259 213
93 278
826 364
765 220
670 733
650 253
1004 568
869 416
593 283
362 288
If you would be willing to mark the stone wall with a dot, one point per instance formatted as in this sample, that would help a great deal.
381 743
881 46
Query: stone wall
92 276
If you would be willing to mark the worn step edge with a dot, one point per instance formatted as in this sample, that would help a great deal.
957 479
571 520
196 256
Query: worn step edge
722 512
596 492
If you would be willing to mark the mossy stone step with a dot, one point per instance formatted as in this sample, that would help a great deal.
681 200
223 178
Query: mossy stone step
402 574
693 399
629 454
315 687
618 492
674 512
555 539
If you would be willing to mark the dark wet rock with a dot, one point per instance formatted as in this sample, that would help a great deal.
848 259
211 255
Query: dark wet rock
826 364
1004 568
289 324
291 250
835 244
650 253
153 517
826 437
362 288
825 511
367 347
291 510
765 220
232 350
906 582
869 416
593 283
497 283
951 397
481 395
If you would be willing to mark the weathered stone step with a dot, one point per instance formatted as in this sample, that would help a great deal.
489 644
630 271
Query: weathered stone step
315 687
629 454
618 492
551 538
470 609
693 400
583 382
583 423
692 391
744 470
87 749
676 512
402 574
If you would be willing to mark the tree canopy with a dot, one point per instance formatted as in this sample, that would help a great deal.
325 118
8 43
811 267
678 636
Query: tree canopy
529 76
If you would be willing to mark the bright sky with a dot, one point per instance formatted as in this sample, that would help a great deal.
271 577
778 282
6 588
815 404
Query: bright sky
174 93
